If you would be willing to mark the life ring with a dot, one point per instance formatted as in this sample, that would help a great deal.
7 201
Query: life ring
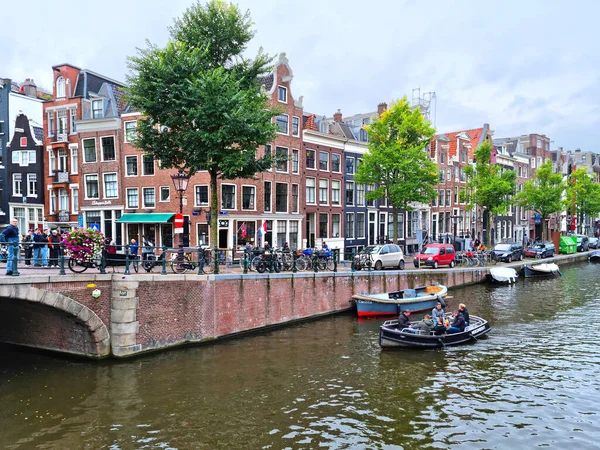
441 300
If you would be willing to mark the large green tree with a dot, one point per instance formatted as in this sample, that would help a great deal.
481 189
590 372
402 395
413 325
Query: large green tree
202 101
544 194
397 163
488 186
583 196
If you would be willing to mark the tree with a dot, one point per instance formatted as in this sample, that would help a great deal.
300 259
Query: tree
488 186
583 194
202 101
396 162
543 194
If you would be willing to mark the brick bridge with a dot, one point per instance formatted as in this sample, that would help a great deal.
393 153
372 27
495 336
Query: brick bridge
141 313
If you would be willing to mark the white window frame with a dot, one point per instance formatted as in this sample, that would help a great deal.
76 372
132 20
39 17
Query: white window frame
296 154
234 196
327 154
95 101
160 194
349 233
137 191
295 207
61 87
196 196
324 184
104 184
74 159
339 225
85 161
85 185
287 203
16 157
17 184
102 148
287 131
32 178
287 162
340 160
126 132
75 200
137 168
346 186
314 159
314 187
63 200
153 166
250 186
72 119
339 191
144 198
296 119
285 91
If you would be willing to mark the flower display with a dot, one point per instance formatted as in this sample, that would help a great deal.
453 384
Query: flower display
96 293
83 244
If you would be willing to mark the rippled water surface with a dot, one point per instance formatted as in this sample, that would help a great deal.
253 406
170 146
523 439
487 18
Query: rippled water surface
534 382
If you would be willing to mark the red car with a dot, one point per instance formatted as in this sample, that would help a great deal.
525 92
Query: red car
435 255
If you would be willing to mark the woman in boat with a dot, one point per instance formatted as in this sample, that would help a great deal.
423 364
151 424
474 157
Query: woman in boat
458 324
463 310
437 312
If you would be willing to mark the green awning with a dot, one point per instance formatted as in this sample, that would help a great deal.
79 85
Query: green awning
145 218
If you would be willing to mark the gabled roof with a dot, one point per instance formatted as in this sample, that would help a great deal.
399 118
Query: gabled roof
89 81
474 136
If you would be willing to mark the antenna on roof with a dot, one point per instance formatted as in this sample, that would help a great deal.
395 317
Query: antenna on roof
425 103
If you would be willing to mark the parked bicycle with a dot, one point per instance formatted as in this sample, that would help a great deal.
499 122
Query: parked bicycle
189 265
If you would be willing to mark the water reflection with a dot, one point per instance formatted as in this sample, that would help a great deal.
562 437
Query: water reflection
328 384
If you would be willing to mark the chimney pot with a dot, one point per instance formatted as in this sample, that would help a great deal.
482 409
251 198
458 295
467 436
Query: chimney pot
338 116
381 108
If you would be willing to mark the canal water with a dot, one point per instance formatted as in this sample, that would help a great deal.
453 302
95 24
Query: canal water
534 382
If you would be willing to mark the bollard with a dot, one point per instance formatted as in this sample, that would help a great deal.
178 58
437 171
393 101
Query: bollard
216 260
294 258
336 257
245 263
61 265
315 262
127 272
164 260
200 261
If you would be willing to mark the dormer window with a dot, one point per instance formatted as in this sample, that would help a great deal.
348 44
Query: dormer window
97 109
282 94
60 87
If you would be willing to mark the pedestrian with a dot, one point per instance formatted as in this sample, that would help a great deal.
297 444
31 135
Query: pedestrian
267 246
10 235
28 245
53 246
44 241
133 248
37 248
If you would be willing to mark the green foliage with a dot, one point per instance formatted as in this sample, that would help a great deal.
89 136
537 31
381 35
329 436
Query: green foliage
543 194
488 186
584 194
397 163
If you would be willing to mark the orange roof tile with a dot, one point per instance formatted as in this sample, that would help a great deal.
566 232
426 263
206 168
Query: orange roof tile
474 134
310 123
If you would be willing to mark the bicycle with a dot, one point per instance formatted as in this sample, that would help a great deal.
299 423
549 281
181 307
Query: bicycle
187 265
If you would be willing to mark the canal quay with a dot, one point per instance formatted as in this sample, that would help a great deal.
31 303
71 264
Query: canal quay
326 383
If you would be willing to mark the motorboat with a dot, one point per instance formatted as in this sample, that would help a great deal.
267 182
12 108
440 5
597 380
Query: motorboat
541 270
503 275
393 303
391 337
595 256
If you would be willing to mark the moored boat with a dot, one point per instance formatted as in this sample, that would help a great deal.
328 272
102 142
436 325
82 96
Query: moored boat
541 270
595 256
503 275
391 337
393 303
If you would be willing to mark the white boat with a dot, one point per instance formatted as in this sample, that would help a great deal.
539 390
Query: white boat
541 270
503 274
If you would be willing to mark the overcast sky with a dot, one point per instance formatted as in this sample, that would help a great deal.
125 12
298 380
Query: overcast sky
527 66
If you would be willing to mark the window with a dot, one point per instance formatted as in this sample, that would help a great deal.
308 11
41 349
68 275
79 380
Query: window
52 201
267 196
323 127
51 123
293 234
281 197
74 200
335 225
448 174
89 150
335 192
149 198
434 200
201 196
295 203
442 177
228 196
349 193
295 161
350 226
539 143
323 225
539 160
335 162
360 225
51 162
62 160
131 166
110 185
31 185
455 173
463 156
16 157
91 186
455 195
248 197
74 161
60 87
323 191
97 109
360 195
133 200
63 200
268 150
130 130
147 165
310 159
281 233
442 197
165 194
108 148
282 153
323 161
282 94
282 123
524 172
73 119
17 184
349 165
310 190
442 157
372 202
448 199
295 126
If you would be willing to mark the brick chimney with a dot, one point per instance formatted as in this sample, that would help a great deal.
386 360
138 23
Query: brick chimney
29 88
381 108
338 116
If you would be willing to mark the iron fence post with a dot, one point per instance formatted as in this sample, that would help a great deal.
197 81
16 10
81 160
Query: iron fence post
61 264
336 257
294 258
127 272
200 261
164 261
245 262
216 260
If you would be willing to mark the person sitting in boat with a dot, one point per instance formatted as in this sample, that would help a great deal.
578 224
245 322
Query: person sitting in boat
458 324
404 321
438 311
465 312
439 328
424 326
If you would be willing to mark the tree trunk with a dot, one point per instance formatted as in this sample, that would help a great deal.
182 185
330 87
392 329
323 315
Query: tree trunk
214 217
487 217
395 224
543 228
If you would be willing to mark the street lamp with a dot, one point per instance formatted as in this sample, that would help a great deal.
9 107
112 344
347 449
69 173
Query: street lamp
180 181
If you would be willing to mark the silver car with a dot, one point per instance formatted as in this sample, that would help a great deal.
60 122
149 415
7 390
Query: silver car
380 256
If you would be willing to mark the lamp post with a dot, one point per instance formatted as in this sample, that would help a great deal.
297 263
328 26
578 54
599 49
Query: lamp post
180 181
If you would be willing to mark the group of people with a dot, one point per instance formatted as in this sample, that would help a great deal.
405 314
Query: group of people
436 322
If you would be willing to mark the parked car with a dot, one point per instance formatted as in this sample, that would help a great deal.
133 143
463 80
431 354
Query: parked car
381 256
436 255
583 243
594 243
508 252
540 250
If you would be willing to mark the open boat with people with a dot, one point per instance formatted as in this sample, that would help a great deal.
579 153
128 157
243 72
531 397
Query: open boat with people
393 303
595 256
391 337
541 270
503 275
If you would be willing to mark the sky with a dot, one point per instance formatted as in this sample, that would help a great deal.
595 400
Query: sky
527 66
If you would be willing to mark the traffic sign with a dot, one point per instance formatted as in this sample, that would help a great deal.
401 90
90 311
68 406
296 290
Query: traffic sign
178 221
95 226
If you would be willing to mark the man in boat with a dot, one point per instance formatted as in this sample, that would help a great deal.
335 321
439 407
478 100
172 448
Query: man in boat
404 320
458 324
436 312
463 310
425 325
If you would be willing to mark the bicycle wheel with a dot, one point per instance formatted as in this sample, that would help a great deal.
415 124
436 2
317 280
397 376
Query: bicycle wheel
78 267
136 264
209 262
301 263
329 264
493 260
254 262
181 267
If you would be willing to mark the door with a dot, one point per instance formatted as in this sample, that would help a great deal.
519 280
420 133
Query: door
371 228
223 238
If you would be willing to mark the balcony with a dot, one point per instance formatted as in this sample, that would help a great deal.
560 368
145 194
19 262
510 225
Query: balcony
61 177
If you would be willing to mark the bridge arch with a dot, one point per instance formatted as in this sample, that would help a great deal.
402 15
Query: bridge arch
48 320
